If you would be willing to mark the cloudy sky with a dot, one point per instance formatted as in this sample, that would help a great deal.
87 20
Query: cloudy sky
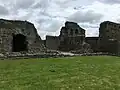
50 15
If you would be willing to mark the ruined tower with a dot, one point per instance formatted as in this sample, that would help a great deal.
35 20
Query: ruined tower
109 37
71 36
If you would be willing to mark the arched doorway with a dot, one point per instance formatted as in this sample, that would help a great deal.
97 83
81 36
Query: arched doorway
19 43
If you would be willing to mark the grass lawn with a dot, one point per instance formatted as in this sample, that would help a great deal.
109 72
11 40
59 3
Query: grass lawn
73 73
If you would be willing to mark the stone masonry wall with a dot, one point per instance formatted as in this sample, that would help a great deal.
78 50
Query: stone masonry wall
71 36
109 36
93 41
52 42
8 28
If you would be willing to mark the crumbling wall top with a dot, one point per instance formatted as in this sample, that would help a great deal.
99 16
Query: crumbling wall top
26 25
71 24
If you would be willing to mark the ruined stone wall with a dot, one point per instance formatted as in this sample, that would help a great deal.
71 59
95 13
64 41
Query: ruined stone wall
71 36
8 28
111 46
52 42
72 29
109 30
93 41
109 36
113 30
5 39
118 48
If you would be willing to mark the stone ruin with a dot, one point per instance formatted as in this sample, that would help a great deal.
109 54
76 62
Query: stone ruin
19 36
71 36
72 39
109 38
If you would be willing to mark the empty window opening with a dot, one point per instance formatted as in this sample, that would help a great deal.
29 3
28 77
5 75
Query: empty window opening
71 32
76 31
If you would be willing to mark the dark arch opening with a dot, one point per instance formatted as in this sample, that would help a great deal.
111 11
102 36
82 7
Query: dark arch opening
19 43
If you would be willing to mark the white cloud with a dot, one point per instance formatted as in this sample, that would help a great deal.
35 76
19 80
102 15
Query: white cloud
82 16
110 1
49 15
23 4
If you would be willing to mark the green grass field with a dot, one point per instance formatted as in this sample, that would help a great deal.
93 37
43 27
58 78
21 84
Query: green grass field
73 73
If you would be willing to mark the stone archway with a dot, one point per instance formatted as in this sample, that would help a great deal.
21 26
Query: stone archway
19 43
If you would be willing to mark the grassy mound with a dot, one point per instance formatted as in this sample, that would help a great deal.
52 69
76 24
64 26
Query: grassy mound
73 73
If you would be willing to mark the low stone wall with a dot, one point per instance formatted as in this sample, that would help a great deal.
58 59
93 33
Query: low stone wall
49 54
98 54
